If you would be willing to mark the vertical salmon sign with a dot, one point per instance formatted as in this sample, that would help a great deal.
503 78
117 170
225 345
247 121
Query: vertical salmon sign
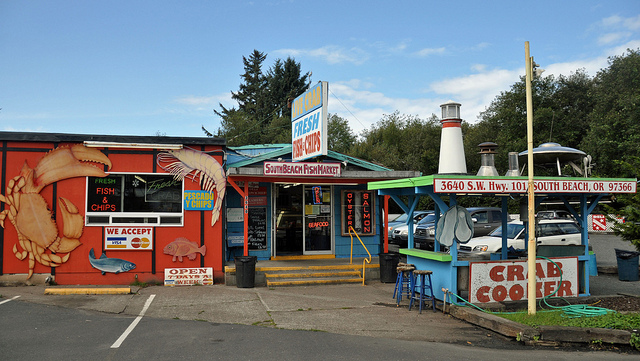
309 123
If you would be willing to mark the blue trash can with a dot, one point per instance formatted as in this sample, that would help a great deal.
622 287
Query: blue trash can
627 265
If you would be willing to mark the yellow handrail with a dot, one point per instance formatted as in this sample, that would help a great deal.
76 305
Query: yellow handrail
365 248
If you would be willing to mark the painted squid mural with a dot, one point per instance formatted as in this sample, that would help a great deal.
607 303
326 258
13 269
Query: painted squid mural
196 165
29 212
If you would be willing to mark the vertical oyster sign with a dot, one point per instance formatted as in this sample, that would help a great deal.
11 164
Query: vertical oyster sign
309 123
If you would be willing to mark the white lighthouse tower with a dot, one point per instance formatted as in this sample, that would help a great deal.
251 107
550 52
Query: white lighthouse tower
452 159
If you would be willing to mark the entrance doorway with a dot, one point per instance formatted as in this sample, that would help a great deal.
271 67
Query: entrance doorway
303 220
288 217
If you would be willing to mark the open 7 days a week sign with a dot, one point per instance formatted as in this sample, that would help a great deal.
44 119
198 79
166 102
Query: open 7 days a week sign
188 276
498 281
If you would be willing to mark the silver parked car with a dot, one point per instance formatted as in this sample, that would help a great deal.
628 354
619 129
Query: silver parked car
401 220
551 232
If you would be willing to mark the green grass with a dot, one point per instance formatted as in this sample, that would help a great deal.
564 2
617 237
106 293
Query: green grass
612 320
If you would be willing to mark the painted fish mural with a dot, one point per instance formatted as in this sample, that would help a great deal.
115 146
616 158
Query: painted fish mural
183 247
113 265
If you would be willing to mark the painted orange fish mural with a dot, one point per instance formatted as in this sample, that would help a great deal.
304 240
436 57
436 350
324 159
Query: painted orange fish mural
183 247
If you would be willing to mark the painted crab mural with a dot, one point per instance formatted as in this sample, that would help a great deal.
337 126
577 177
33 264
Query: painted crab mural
195 164
29 212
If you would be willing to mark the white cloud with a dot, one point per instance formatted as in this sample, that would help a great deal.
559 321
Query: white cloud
430 51
363 106
616 21
611 38
200 100
617 29
477 85
330 53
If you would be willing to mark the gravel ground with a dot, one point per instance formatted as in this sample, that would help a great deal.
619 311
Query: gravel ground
620 303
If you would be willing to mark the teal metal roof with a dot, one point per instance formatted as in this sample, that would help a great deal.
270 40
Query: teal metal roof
263 152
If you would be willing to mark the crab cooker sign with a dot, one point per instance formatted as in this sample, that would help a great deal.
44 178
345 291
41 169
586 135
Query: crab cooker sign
507 281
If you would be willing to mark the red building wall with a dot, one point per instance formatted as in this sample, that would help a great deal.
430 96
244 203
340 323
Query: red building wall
150 264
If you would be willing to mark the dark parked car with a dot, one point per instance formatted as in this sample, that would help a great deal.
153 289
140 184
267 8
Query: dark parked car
485 220
555 215
402 220
400 234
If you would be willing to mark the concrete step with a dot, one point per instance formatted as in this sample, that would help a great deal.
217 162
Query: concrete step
307 272
311 281
311 274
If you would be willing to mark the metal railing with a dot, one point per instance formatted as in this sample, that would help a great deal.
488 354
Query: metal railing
364 261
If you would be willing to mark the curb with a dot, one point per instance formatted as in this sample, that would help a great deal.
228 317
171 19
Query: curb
87 291
543 335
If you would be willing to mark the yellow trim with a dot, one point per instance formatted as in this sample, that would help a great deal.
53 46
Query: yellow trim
309 275
303 257
367 260
232 269
87 291
311 282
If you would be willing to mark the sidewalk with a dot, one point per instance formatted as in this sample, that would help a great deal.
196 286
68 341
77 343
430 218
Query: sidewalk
345 309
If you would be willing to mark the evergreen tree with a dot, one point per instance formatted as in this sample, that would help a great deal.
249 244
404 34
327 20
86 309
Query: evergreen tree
614 129
341 138
262 115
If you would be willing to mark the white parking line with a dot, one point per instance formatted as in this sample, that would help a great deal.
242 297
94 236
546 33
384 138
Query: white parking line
11 299
133 324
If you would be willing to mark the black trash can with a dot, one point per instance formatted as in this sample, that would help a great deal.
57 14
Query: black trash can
627 265
388 265
245 271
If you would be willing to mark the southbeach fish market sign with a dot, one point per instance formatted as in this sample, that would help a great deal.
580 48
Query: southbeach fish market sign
301 169
309 123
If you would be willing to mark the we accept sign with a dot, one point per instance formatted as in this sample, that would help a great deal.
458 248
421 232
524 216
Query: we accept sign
507 280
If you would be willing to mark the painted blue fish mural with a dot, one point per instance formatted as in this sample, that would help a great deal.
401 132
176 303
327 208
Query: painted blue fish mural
113 265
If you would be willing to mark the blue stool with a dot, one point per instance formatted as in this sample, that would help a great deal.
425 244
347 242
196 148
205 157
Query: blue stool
422 280
403 281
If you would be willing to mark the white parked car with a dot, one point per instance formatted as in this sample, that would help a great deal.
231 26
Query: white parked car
548 232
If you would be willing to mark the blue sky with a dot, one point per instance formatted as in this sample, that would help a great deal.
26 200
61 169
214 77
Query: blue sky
161 67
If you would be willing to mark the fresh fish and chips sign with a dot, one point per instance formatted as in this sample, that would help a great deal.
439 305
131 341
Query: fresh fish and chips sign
128 238
188 276
309 123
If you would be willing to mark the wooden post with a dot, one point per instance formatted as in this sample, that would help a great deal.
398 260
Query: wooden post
531 254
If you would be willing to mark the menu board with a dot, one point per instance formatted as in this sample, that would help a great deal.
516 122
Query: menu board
104 194
257 228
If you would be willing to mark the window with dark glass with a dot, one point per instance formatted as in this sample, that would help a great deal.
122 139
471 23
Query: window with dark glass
357 210
134 198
